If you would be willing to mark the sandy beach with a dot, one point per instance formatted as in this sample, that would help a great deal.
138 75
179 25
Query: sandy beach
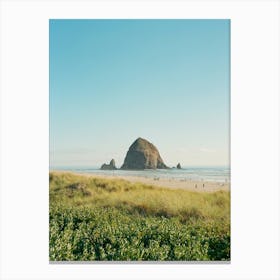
200 186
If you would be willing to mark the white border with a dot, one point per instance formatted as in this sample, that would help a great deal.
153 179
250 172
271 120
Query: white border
254 137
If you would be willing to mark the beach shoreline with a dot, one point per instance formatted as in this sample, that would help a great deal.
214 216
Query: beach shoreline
172 183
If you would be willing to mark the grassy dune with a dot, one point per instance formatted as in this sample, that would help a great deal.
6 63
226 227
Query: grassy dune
104 219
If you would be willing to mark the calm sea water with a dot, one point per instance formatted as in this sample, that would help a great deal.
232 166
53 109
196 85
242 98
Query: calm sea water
217 174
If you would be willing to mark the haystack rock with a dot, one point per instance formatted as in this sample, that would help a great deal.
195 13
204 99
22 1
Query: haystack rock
143 155
179 166
110 166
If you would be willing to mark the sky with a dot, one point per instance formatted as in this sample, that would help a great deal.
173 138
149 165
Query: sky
112 81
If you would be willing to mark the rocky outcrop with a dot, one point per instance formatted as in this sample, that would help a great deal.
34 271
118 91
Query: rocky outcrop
143 155
110 166
179 166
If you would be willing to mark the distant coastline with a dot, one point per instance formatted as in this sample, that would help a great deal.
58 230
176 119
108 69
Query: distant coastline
158 178
206 173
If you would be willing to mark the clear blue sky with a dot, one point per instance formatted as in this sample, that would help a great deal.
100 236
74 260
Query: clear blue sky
112 81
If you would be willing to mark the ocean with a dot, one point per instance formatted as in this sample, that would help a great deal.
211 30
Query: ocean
214 174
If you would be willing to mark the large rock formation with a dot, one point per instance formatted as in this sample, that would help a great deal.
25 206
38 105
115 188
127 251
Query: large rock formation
110 166
179 166
143 155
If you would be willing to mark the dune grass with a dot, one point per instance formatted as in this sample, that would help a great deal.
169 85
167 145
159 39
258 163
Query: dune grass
111 219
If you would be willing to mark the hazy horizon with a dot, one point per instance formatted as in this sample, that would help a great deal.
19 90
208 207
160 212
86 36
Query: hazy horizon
112 81
118 166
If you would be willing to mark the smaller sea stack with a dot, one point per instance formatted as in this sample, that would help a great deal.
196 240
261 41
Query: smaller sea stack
110 166
179 166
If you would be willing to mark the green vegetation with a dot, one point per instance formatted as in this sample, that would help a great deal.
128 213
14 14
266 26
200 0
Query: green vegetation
103 219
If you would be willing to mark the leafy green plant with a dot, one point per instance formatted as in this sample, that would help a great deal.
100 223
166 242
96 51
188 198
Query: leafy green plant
97 220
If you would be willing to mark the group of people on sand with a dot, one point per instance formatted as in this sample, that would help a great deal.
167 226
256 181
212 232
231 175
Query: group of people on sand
196 186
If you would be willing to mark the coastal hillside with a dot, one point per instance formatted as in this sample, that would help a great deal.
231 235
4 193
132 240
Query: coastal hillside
112 219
